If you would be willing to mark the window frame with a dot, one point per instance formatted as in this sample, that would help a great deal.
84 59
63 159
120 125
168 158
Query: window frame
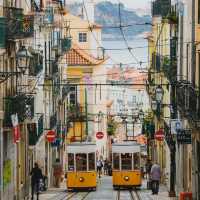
82 37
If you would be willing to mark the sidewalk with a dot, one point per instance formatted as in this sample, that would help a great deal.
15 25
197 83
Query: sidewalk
162 195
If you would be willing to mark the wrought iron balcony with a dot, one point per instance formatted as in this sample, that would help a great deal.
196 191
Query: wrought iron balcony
66 44
76 113
35 131
17 24
22 105
187 100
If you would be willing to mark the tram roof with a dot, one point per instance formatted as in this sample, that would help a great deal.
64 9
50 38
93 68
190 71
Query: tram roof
126 147
85 147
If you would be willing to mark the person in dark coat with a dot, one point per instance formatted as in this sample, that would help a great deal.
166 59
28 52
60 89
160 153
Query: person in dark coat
36 175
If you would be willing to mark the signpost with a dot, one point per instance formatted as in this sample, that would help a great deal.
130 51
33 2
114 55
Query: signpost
159 135
99 135
184 137
50 136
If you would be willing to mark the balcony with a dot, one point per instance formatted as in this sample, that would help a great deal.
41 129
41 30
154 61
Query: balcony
35 131
22 105
76 113
187 100
17 24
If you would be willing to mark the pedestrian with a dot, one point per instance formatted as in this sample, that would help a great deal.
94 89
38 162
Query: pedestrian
148 168
105 167
36 176
57 172
155 178
99 167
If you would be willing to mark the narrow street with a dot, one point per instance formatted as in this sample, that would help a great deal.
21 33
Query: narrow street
105 192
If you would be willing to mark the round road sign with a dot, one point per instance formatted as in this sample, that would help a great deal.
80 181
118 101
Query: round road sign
99 135
159 135
50 136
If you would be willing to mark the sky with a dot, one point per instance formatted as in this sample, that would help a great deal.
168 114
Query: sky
129 3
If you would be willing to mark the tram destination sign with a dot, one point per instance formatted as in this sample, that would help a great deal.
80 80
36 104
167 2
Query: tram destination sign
184 137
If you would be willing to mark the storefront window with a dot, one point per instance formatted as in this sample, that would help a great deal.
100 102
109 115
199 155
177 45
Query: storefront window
70 162
116 161
91 157
126 159
81 162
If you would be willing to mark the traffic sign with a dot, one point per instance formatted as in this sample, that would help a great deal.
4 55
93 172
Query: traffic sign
159 135
50 136
99 135
184 137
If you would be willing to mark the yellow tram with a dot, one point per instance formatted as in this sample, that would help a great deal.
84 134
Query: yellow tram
81 166
126 165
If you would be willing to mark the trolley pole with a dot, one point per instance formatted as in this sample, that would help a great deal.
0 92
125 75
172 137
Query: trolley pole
86 111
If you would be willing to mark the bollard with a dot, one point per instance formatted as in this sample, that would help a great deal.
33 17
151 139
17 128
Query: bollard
185 196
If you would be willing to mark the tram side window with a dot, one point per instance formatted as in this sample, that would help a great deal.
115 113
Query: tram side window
81 162
136 157
126 159
70 162
91 157
116 161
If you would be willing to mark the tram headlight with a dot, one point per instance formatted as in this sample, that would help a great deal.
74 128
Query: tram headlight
126 178
81 179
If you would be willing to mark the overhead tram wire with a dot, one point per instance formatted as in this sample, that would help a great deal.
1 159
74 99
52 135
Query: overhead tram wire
91 30
123 35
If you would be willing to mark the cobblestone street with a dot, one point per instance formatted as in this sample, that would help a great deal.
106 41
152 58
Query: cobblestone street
104 192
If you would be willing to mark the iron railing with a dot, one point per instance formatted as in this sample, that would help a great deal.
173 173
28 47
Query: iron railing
76 113
53 120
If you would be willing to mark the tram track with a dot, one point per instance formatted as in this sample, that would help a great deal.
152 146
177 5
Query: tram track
133 195
69 197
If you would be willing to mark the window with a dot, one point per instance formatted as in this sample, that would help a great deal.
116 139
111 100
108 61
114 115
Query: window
82 37
198 11
70 162
81 162
136 158
115 161
126 161
91 160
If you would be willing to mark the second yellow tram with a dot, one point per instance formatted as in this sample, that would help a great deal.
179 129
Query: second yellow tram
81 166
126 165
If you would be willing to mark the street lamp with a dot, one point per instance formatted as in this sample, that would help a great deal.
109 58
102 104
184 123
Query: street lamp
23 58
141 115
159 94
154 105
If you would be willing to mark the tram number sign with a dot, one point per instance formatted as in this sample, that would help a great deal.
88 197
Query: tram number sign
159 135
99 135
50 136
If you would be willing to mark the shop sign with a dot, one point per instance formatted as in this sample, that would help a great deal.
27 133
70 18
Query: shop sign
184 137
99 135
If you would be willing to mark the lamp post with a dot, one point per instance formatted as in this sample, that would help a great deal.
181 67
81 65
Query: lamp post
123 115
135 115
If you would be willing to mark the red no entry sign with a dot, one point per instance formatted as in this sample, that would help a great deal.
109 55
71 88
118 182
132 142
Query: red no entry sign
50 136
159 135
99 135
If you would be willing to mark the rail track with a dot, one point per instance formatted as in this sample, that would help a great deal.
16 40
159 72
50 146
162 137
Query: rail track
127 195
83 196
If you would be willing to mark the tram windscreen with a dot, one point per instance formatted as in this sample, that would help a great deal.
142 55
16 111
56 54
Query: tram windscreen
70 162
136 160
116 161
81 162
91 157
126 159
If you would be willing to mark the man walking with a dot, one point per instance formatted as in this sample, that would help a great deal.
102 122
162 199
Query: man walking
36 175
155 177
99 167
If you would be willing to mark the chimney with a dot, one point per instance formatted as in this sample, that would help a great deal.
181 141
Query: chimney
88 10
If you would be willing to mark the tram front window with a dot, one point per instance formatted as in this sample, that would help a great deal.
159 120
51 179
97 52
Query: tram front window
116 161
126 161
81 162
70 162
91 157
136 157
